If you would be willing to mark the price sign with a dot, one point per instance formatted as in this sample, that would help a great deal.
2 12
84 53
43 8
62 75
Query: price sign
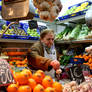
75 73
33 24
6 76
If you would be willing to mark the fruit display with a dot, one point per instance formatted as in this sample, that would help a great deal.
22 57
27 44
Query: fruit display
77 8
15 31
26 81
16 56
33 32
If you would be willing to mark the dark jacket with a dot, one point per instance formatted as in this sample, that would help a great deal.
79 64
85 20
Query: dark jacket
36 59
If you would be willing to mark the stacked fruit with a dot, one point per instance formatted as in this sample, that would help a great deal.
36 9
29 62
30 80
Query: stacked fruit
36 82
76 8
81 7
19 63
13 31
33 32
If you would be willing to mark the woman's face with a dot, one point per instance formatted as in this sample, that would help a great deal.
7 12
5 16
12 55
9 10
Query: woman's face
48 40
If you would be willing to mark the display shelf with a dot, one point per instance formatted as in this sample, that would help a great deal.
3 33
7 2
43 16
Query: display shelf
62 41
83 41
18 41
73 19
74 41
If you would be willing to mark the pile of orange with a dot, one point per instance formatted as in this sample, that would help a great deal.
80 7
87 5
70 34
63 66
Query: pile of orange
36 82
19 63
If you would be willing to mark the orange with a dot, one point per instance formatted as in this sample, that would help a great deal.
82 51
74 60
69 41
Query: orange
24 88
41 72
28 72
49 89
47 81
38 88
22 78
12 88
37 77
57 86
31 83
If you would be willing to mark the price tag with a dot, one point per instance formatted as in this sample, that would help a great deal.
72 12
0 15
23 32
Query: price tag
6 76
75 73
33 24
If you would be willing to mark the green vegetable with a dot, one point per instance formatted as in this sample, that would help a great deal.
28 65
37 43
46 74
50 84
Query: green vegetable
83 32
65 59
75 32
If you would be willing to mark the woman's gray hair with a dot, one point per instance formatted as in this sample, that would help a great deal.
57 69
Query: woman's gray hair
45 32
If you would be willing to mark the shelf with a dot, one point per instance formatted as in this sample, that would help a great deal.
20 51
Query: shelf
18 41
63 42
83 41
75 41
73 19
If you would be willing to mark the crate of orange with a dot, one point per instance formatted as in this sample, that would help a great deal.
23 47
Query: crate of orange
77 60
15 53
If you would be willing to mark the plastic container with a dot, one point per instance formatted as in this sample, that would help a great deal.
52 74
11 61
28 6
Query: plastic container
9 36
22 37
77 13
77 60
15 53
33 38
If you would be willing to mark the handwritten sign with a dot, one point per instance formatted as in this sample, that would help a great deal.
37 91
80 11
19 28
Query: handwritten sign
6 76
75 73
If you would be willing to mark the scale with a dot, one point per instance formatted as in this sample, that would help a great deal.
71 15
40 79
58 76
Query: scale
13 10
16 10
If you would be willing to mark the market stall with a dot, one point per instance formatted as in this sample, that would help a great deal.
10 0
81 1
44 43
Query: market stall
76 57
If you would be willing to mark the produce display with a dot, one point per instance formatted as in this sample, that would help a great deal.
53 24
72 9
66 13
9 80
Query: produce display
79 32
33 32
48 10
26 81
74 87
15 31
76 8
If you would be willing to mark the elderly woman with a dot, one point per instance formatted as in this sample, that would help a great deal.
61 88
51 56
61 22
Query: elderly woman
43 54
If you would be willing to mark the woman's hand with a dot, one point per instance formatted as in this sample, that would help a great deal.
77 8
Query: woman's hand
55 64
58 71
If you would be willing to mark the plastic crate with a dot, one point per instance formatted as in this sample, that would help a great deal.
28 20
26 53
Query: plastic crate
77 13
9 36
33 38
0 5
22 37
36 16
77 60
0 8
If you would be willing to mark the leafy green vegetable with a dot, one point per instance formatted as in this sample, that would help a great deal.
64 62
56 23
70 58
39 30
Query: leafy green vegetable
75 32
83 32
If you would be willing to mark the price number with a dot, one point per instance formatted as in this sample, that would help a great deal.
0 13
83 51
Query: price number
76 74
6 76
